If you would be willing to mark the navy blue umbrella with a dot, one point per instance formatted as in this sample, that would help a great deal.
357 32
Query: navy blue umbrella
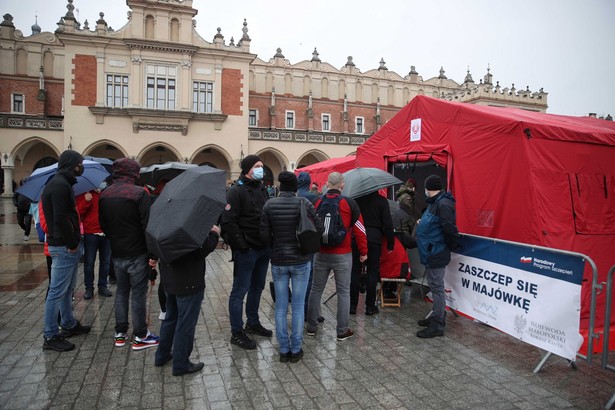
93 174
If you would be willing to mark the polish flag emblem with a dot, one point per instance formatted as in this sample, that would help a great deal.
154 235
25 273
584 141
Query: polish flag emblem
526 259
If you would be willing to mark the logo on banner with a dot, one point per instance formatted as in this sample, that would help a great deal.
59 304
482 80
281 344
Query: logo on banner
526 259
520 323
415 130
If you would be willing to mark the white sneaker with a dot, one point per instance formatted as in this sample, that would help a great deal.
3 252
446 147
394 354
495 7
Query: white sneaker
26 238
162 315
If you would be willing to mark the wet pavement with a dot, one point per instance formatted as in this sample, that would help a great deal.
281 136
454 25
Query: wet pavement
383 366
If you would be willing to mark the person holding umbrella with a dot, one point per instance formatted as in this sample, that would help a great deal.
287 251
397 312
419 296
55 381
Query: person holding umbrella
241 229
183 281
64 241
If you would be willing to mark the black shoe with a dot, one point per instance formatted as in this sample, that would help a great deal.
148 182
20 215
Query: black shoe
371 310
104 292
242 340
429 333
193 368
258 329
425 322
89 294
295 357
57 343
285 357
320 319
160 363
77 330
353 310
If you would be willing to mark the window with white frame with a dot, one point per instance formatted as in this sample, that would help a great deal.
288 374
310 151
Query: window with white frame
252 120
290 119
117 90
359 125
326 122
18 105
160 87
202 96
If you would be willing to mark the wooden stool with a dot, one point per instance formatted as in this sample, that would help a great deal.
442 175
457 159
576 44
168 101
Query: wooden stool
394 301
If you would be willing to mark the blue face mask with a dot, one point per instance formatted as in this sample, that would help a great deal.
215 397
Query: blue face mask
258 173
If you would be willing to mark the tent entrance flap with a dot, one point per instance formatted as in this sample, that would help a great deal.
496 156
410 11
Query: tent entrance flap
418 171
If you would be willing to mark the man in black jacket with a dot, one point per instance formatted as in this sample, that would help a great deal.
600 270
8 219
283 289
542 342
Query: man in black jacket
183 281
64 241
378 224
123 211
241 229
288 264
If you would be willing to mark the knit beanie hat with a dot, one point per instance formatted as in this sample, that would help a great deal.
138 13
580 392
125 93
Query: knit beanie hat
433 183
288 181
248 162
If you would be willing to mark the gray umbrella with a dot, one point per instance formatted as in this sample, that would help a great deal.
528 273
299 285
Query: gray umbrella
363 181
182 216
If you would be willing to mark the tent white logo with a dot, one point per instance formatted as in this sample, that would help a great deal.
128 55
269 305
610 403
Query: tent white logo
415 130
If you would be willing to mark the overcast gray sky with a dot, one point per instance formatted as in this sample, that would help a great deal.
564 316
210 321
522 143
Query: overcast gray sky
564 46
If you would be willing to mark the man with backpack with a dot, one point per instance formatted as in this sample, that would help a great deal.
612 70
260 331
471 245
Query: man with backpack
342 220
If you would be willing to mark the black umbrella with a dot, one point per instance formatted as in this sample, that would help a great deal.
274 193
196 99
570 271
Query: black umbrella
182 216
155 173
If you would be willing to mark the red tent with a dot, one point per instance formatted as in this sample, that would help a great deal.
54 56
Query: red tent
321 170
523 176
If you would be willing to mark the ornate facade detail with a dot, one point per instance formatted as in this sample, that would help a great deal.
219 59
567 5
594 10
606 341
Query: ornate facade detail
186 63
136 60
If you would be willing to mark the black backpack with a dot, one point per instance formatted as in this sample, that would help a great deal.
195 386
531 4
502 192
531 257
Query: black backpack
329 211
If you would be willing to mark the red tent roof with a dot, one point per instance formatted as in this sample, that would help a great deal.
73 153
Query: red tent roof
321 170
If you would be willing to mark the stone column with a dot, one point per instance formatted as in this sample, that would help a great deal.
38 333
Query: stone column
7 168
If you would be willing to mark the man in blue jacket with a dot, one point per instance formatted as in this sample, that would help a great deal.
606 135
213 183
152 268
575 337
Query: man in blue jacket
437 235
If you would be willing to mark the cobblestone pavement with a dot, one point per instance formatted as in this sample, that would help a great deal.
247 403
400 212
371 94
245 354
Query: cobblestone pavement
383 366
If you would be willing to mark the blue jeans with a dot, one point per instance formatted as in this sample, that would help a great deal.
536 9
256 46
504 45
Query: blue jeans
341 265
435 281
298 276
92 244
132 277
60 297
249 274
177 329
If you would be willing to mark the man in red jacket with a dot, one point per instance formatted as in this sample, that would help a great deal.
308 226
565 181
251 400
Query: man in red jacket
94 241
337 259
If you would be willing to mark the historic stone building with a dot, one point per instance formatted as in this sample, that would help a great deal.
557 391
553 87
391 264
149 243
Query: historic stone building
156 91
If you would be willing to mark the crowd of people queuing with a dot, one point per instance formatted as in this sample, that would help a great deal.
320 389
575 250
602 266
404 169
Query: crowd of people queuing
260 226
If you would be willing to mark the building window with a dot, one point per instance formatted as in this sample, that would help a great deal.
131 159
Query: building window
359 125
252 118
290 119
18 103
326 122
117 90
161 87
202 97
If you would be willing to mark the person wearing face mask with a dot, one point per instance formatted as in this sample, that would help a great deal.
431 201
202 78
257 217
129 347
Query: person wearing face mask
240 223
65 248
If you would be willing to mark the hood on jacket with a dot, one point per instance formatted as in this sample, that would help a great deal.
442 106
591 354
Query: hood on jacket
126 168
304 181
68 160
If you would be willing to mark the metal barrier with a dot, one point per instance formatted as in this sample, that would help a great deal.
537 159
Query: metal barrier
607 320
595 288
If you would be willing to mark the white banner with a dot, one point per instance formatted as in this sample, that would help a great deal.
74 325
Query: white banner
533 296
415 130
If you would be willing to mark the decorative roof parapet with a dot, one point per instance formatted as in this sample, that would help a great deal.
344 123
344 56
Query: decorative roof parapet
160 46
